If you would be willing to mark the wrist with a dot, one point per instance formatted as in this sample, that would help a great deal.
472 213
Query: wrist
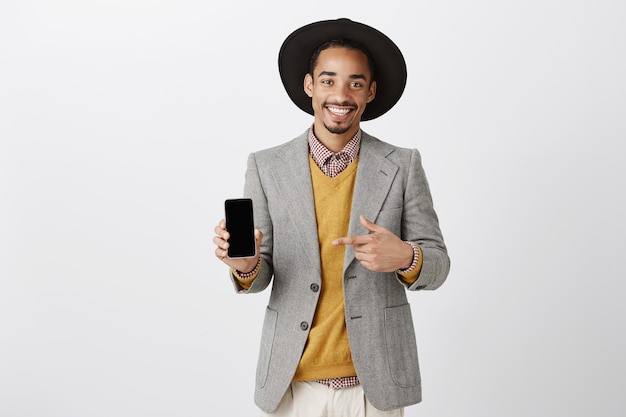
250 273
415 259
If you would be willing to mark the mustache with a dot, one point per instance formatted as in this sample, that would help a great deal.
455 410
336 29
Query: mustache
344 104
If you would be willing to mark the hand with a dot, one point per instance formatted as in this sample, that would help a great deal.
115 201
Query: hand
380 250
221 250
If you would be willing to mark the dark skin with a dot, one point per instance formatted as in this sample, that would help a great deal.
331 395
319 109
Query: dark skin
340 87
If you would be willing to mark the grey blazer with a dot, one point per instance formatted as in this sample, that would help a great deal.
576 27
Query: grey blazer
390 190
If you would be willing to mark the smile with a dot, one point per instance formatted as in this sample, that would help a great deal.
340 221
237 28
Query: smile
338 111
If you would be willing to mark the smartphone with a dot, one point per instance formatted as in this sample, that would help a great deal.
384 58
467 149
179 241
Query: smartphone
240 225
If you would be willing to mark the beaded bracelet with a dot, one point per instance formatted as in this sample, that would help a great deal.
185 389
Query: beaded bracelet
416 258
246 275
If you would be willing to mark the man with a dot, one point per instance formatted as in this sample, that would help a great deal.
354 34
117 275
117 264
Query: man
345 225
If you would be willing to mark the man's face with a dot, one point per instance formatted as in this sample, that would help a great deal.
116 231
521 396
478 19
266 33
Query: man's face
340 88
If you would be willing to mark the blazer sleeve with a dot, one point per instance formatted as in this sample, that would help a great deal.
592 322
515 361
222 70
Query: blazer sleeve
420 224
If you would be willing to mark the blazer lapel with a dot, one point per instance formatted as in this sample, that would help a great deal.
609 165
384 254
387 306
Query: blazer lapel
375 174
293 178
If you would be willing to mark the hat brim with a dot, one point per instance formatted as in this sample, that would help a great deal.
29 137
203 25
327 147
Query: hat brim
391 72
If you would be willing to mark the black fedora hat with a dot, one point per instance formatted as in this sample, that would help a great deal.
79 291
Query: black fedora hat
390 66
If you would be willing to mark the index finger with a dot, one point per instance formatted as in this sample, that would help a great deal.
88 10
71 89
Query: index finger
350 240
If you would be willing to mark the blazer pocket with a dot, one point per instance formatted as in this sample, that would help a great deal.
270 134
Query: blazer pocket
267 341
401 346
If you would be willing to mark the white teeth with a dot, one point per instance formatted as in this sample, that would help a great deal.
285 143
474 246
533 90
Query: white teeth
339 112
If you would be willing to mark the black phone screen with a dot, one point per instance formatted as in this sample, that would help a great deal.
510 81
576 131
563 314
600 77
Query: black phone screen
240 226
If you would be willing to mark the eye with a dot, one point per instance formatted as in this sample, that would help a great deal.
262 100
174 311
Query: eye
327 81
356 84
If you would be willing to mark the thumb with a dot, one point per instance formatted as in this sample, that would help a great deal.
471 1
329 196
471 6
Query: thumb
258 235
372 227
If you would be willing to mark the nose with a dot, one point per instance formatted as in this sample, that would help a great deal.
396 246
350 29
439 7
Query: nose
341 93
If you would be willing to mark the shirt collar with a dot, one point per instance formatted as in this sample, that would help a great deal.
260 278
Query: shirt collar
321 154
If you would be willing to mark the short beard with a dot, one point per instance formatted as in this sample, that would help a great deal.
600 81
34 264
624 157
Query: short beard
337 130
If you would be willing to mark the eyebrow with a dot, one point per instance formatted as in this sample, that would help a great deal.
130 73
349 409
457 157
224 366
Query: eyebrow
333 74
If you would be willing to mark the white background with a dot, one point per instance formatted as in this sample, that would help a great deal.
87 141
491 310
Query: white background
125 124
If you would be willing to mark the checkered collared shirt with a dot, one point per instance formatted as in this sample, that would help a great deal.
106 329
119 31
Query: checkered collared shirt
339 383
332 164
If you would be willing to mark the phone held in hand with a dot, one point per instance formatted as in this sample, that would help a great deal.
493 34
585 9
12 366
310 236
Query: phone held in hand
240 226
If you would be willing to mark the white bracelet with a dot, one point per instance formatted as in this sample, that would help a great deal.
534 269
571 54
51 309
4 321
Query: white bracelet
416 258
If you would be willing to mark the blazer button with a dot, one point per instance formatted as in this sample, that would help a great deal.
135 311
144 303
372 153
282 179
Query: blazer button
304 325
315 287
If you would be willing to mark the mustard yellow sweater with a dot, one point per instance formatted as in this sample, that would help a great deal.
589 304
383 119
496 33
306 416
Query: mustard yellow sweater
327 353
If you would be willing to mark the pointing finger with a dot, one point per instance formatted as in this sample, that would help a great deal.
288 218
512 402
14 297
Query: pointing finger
351 240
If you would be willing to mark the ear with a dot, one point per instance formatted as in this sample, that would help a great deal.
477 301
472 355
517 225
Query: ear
372 92
308 85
